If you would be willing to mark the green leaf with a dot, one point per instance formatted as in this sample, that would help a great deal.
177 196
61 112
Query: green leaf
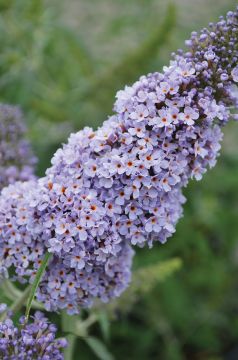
145 278
104 324
69 350
98 348
71 325
36 283
17 305
11 292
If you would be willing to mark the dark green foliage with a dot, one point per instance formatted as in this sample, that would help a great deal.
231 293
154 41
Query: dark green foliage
140 61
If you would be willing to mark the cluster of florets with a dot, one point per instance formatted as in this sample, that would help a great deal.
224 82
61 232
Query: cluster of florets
16 158
122 184
82 267
36 340
214 53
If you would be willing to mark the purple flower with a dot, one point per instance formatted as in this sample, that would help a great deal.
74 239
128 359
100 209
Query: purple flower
35 340
234 74
209 55
77 260
165 118
55 245
140 113
3 307
189 115
16 158
122 184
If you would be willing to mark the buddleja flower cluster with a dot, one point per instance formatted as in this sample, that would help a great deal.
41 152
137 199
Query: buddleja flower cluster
36 340
122 184
83 267
16 158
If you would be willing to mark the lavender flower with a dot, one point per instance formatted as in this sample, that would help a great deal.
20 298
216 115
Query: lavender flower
16 158
82 268
35 340
122 184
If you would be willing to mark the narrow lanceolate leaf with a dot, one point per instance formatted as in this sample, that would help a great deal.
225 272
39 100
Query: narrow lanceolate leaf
104 324
98 348
36 283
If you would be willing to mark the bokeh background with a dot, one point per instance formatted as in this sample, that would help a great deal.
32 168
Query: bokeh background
62 62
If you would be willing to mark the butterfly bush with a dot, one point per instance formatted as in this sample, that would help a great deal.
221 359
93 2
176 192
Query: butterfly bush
121 185
82 269
35 340
16 158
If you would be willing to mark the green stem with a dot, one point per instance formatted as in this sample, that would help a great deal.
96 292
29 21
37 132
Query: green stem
69 350
75 326
18 303
36 283
91 319
13 293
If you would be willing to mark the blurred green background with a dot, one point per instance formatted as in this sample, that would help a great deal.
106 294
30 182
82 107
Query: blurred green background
62 62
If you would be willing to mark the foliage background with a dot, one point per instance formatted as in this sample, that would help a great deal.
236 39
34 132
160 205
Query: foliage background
63 61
